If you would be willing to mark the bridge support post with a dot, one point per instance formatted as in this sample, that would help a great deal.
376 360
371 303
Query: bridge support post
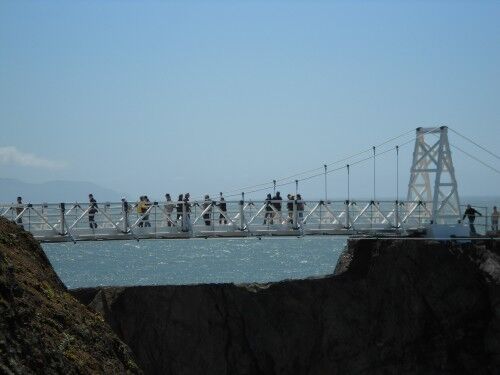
396 224
62 208
347 215
184 225
242 212
295 214
125 216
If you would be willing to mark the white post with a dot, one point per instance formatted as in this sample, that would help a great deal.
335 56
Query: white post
62 206
125 216
242 212
295 214
184 225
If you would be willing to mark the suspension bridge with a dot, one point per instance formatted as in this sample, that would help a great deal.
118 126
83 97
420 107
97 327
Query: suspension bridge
432 205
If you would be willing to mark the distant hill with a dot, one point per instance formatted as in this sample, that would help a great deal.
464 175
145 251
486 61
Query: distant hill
53 191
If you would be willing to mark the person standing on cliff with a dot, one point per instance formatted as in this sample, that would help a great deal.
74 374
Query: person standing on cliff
471 215
494 219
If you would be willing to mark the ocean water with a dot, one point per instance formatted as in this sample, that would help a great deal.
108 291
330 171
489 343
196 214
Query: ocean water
193 261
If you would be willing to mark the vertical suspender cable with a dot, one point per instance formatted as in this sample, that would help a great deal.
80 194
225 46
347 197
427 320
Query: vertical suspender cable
274 187
296 188
348 187
397 173
374 174
348 219
326 194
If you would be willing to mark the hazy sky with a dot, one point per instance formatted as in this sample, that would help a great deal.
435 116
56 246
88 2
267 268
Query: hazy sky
155 97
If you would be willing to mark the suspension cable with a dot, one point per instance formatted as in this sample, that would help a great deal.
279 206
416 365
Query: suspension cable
472 157
266 184
269 185
475 144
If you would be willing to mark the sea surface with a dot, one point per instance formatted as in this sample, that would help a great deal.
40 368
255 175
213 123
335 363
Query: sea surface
193 261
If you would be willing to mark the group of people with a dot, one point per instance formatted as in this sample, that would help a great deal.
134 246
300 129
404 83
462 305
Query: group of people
183 209
273 208
182 206
272 211
207 207
179 211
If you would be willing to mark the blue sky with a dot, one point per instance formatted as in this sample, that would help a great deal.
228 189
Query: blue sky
155 97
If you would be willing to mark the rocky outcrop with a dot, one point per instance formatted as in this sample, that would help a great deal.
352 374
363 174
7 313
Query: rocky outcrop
43 328
413 307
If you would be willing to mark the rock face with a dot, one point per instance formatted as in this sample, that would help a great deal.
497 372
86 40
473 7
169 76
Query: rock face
413 307
43 328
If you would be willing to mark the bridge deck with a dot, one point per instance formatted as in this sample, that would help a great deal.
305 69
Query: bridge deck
113 221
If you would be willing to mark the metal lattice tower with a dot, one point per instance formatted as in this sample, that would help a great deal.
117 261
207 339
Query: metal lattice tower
432 176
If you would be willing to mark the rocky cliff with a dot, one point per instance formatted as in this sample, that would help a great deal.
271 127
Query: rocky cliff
413 307
43 328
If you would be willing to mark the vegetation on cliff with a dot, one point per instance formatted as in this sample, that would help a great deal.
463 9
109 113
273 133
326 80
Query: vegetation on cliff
43 328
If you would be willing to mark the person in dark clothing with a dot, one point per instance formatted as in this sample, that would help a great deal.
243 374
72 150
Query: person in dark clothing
300 207
186 203
471 215
180 203
223 208
289 207
277 205
268 219
186 220
277 197
92 211
169 208
147 204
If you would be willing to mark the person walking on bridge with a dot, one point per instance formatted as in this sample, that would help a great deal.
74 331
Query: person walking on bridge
289 207
186 219
277 205
300 208
169 208
92 211
180 204
223 210
147 204
268 218
471 215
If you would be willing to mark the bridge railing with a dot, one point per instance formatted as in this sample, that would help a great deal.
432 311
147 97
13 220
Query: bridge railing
80 221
